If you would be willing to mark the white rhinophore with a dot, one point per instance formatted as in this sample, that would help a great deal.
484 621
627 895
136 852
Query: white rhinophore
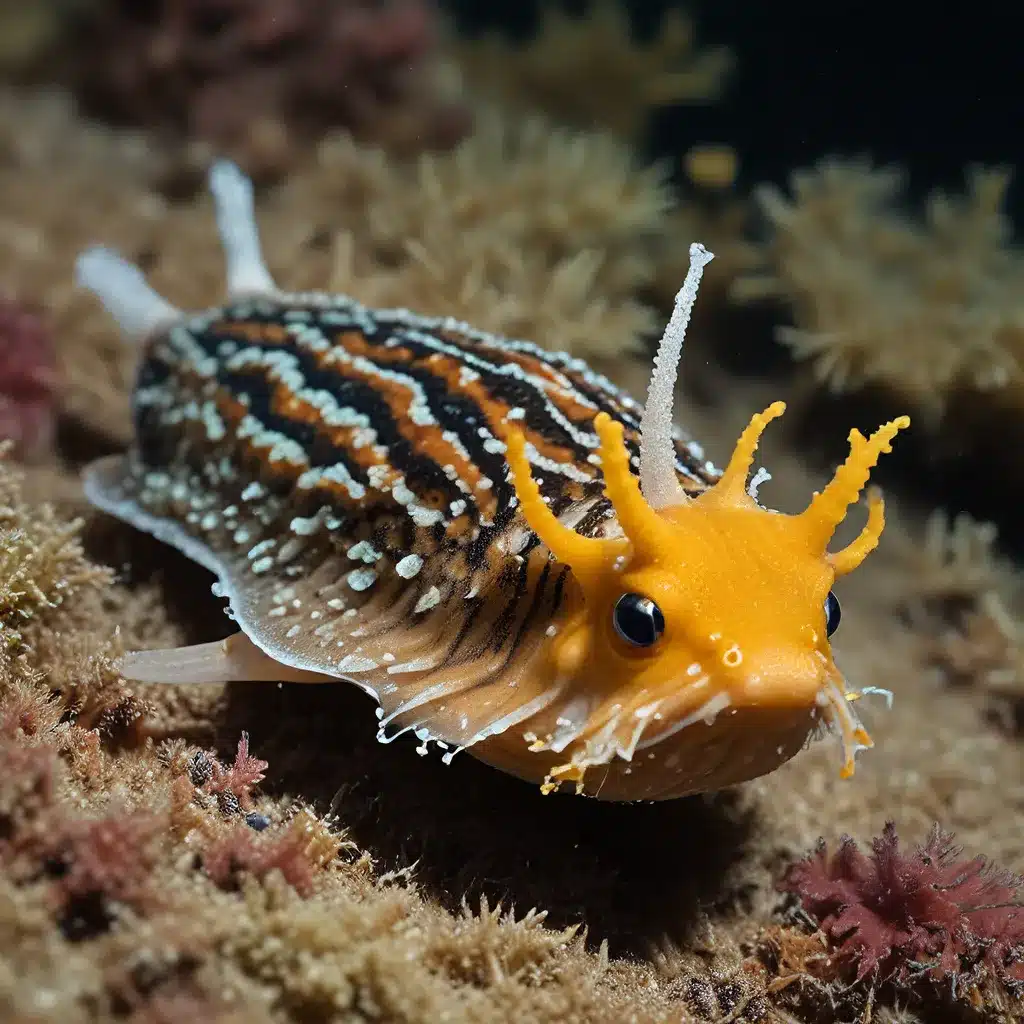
658 479
247 274
124 292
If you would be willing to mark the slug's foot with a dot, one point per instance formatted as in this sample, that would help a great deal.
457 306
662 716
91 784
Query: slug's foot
236 659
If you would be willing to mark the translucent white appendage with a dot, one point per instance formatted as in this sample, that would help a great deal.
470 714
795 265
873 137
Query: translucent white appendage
124 292
658 479
236 220
236 659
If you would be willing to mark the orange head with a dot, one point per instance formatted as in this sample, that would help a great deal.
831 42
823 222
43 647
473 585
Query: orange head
705 605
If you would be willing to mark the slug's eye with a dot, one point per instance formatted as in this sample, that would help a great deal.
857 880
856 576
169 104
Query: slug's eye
833 613
638 620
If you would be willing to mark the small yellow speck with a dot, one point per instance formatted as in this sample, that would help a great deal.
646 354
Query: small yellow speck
711 165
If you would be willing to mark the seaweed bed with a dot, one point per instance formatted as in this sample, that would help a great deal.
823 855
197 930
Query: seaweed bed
250 852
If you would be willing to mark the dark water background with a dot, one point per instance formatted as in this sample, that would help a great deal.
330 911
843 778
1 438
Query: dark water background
930 86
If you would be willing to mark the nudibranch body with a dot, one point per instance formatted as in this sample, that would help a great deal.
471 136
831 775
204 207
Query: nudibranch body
509 554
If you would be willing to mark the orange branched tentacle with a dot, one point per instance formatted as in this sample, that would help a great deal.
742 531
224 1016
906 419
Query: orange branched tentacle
850 557
828 508
734 480
646 530
583 554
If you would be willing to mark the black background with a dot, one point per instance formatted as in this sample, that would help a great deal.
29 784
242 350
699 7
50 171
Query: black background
931 87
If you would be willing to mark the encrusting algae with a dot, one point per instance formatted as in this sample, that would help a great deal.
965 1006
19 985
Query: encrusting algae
925 310
964 601
138 930
626 79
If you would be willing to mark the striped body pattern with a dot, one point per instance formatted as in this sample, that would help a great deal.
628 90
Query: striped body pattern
379 424
415 506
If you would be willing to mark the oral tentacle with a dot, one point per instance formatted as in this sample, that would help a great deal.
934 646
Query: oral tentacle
841 717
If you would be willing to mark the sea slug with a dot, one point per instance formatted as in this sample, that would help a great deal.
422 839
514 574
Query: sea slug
504 550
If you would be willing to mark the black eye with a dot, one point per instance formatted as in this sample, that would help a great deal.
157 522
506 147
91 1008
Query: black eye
833 613
638 620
